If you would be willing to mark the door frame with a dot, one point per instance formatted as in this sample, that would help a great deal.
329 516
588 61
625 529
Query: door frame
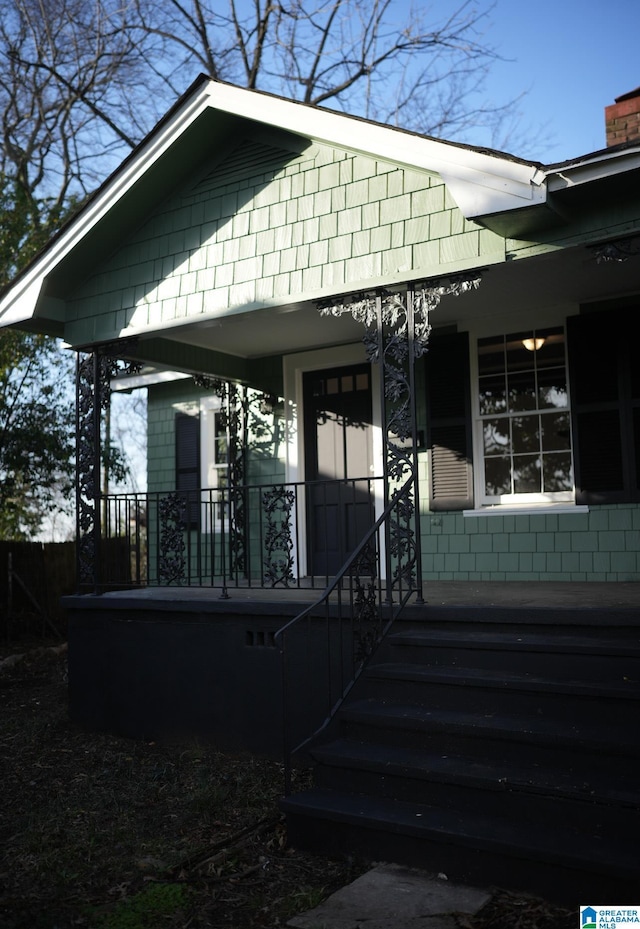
294 367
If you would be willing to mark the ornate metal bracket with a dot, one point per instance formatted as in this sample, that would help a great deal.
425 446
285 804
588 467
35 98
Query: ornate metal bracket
619 250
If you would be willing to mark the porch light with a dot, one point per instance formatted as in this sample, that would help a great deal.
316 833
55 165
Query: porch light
532 345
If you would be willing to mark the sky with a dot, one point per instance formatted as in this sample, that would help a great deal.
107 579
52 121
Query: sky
572 57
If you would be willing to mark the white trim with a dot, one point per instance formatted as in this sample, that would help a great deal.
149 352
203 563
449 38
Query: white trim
513 502
527 509
592 168
480 182
294 367
19 302
209 406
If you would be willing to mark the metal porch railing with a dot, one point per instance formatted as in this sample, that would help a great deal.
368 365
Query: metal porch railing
260 535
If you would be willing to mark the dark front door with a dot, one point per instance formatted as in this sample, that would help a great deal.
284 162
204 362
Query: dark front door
339 463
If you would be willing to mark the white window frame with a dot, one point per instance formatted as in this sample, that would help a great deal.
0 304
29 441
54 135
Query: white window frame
516 502
210 407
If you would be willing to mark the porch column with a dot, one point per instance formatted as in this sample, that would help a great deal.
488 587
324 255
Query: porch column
397 327
94 371
88 471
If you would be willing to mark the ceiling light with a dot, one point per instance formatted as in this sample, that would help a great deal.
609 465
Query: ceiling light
532 345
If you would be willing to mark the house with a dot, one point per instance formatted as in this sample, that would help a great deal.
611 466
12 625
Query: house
378 365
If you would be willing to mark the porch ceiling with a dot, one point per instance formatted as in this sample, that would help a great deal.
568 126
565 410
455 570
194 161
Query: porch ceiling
567 277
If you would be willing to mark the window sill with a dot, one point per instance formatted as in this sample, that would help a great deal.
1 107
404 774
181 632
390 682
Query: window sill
526 509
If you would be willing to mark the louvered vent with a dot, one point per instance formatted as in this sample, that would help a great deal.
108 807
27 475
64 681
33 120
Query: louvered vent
253 161
448 426
449 465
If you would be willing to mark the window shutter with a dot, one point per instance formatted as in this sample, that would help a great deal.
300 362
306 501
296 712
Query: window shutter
604 417
449 422
188 465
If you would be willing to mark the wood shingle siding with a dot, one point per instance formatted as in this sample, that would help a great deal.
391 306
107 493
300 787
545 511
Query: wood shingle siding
271 224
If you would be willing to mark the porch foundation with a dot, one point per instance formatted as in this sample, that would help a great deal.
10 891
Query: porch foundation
183 664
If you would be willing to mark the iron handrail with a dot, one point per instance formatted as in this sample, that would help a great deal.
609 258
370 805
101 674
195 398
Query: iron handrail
375 608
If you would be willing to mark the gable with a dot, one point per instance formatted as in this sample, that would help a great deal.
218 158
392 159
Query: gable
277 220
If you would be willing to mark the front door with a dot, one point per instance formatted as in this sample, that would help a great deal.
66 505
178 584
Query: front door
339 463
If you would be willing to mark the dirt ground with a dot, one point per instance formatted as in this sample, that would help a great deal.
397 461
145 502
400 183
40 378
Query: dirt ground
108 833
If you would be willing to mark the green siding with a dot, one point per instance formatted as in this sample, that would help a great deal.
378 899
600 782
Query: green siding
602 545
249 234
265 450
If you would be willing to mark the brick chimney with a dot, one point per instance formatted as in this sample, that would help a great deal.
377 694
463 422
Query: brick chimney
622 119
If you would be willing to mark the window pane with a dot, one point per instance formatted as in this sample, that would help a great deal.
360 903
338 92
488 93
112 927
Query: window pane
525 434
551 353
518 357
496 436
526 429
497 476
556 432
526 474
552 388
493 395
557 472
522 392
490 355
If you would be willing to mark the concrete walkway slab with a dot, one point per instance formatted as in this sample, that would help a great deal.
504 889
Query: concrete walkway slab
390 896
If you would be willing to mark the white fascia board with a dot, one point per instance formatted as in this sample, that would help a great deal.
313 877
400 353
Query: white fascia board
480 183
608 164
20 301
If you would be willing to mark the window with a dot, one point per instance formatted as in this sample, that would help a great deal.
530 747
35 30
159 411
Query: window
214 443
524 418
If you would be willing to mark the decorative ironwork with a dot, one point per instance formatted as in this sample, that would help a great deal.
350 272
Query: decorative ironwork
619 250
278 504
366 614
172 523
94 372
87 469
206 382
397 329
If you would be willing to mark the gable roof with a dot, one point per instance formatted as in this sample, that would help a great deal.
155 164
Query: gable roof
491 187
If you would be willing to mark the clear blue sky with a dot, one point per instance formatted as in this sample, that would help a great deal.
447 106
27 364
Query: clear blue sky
574 57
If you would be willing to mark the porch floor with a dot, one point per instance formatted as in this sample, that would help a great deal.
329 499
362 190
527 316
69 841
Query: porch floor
534 594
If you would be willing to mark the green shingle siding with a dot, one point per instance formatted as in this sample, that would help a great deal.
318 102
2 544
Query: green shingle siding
560 547
258 237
